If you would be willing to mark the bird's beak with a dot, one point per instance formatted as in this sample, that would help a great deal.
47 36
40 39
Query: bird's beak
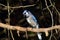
24 15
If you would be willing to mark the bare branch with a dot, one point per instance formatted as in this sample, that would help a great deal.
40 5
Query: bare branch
19 28
2 5
46 7
15 7
23 6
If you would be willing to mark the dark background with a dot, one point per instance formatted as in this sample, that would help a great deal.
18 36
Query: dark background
43 17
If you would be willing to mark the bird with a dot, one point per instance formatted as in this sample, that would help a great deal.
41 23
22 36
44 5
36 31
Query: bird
31 19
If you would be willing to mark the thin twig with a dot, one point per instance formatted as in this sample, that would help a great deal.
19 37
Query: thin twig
2 5
15 7
23 6
9 20
50 14
46 7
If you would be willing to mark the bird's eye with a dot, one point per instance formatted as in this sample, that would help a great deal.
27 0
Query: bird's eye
25 13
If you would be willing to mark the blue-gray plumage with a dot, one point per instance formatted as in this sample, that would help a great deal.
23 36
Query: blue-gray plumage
32 21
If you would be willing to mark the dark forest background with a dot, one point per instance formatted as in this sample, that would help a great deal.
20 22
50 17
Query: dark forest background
16 17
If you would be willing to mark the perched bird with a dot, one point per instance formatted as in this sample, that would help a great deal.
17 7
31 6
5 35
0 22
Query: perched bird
32 21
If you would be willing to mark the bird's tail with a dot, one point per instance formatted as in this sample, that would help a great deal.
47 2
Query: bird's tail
39 34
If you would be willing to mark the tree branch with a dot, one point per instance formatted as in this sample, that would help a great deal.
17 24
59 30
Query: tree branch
19 28
15 7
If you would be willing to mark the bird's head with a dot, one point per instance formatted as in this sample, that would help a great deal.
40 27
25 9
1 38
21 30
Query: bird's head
26 13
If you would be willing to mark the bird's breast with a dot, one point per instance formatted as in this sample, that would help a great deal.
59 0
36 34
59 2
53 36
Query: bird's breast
31 21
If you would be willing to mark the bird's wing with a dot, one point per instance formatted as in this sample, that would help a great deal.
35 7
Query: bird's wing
33 17
31 21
